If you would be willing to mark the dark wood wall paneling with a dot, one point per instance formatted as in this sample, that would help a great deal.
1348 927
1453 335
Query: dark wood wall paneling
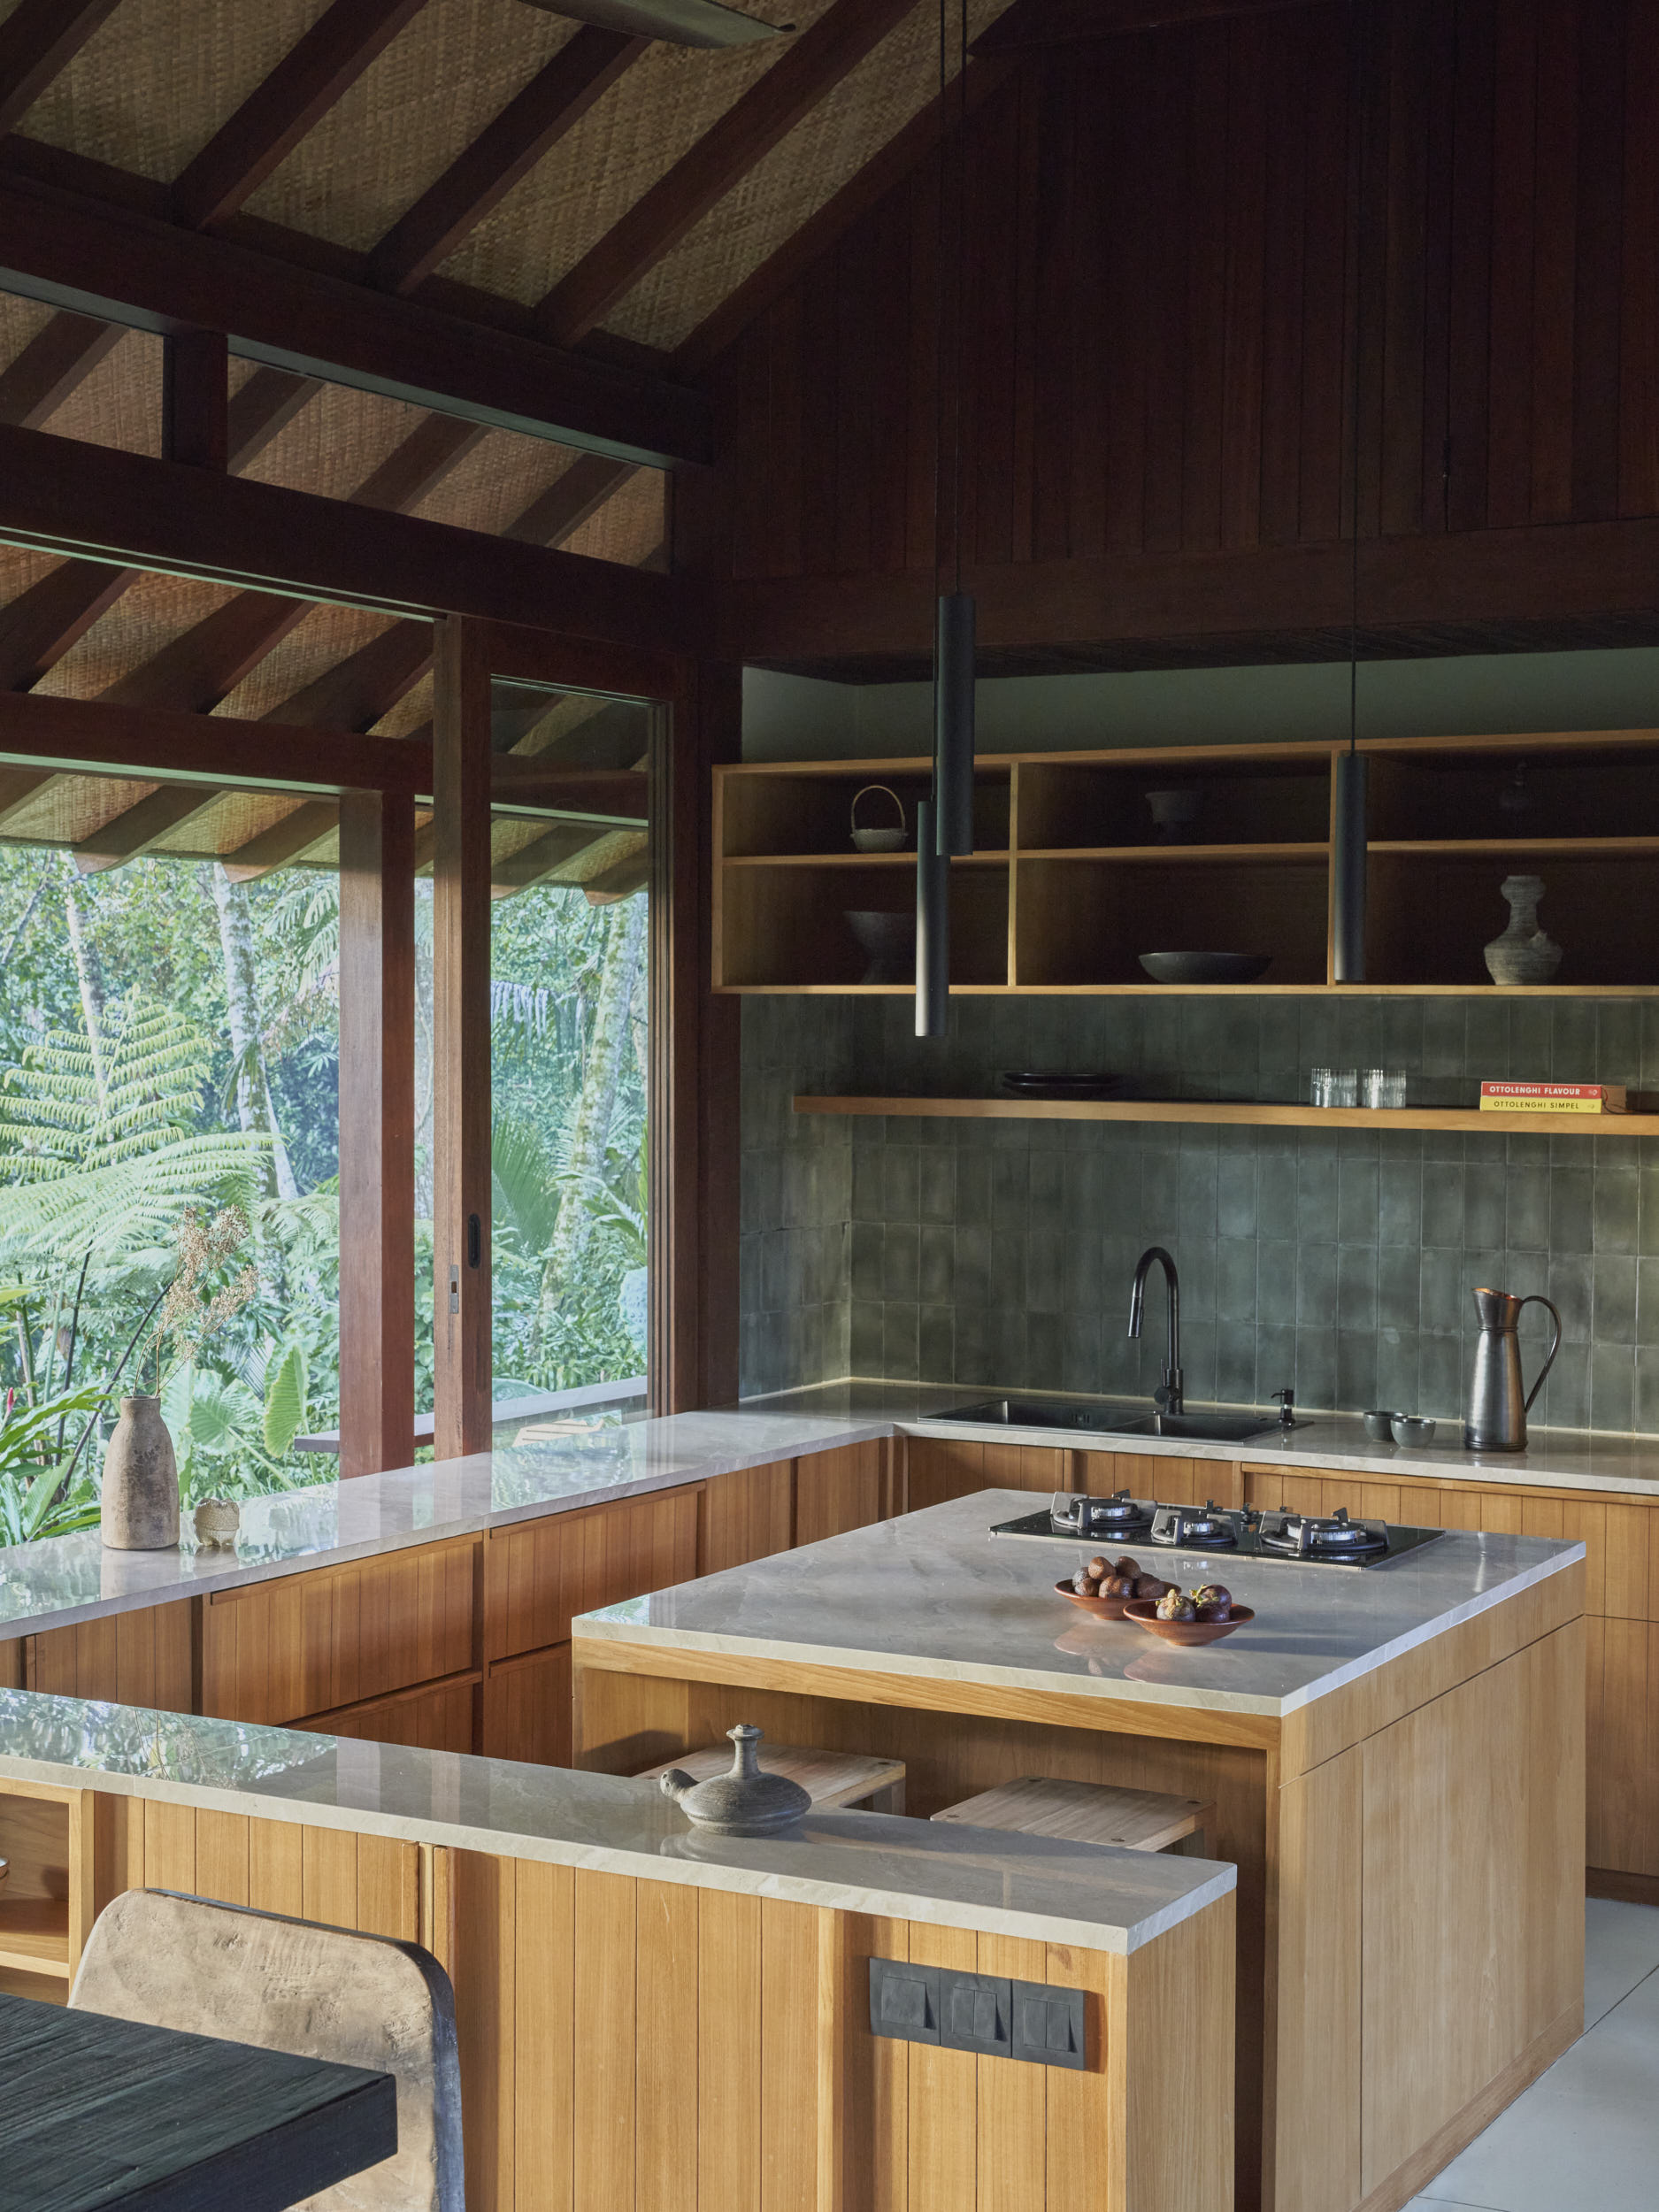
1169 269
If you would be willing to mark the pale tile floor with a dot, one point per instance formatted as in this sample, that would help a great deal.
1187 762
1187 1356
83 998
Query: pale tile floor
1586 2133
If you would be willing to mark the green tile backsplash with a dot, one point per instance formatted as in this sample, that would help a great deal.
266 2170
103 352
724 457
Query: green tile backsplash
1341 1264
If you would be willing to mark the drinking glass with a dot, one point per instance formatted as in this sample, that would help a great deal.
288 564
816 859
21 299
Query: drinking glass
1320 1088
1344 1086
1373 1090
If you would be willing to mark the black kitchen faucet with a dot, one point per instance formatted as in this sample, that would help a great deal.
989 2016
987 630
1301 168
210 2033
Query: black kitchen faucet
1167 1397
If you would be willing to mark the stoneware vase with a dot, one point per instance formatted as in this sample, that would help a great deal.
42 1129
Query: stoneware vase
744 1802
140 1481
1525 953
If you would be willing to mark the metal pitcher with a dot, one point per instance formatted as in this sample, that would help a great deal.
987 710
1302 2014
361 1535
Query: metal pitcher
1498 1396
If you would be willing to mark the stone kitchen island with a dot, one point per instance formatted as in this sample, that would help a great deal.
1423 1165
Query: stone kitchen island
1395 1755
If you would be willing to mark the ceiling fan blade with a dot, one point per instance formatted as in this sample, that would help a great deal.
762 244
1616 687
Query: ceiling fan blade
678 22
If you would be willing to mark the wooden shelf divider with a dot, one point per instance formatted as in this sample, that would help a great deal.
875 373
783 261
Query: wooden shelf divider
1249 1113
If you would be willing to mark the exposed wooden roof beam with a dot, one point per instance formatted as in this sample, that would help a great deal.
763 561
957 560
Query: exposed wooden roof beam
356 692
620 880
558 512
126 266
87 736
279 112
619 795
756 122
136 828
902 153
49 368
69 496
312 821
54 614
203 666
37 40
531 863
196 398
266 403
556 99
18 787
47 620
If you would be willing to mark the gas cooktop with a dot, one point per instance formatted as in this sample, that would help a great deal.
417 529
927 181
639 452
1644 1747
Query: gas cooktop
1265 1535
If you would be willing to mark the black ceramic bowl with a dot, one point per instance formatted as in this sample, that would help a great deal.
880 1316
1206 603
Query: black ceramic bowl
1205 967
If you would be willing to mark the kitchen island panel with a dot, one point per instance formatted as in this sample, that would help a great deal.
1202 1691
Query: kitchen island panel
1314 1999
1474 1960
748 1515
630 1713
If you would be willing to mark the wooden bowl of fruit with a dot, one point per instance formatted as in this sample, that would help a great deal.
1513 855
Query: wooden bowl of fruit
1105 1587
1203 1616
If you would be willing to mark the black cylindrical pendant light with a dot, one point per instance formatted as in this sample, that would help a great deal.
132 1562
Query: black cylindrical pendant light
933 926
1348 869
953 722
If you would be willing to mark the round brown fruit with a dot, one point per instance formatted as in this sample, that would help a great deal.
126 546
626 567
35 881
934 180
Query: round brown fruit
1085 1585
1213 1594
1150 1587
1171 1603
1221 1609
1130 1567
1118 1586
1099 1568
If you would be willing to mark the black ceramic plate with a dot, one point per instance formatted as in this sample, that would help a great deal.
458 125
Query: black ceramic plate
1057 1083
1205 967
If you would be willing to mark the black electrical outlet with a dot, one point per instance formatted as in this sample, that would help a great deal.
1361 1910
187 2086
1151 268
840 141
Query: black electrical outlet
904 2001
1048 2026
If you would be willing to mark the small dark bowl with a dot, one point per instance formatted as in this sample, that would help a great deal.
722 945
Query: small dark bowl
1103 1608
1379 1426
1144 1613
1205 967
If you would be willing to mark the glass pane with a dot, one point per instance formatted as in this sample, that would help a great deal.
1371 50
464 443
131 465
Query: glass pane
169 1141
570 1063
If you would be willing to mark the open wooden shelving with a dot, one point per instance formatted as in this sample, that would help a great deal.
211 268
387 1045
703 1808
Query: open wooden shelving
34 1935
1070 882
1246 1113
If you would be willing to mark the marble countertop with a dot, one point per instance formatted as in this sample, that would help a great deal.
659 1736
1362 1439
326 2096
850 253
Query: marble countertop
1555 1459
934 1594
987 1879
69 1579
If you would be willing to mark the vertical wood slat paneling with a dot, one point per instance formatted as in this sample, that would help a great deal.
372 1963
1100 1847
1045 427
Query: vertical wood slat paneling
747 1515
606 2006
728 2143
944 2111
1638 319
539 1573
1165 246
145 1658
543 2037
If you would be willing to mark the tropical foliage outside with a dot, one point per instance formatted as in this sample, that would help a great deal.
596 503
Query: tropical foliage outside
169 1051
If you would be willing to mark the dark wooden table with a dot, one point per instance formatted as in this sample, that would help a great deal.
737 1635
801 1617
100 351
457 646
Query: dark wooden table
96 2112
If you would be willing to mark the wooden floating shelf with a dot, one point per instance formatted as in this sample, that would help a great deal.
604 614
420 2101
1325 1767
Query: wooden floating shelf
35 1935
1260 1115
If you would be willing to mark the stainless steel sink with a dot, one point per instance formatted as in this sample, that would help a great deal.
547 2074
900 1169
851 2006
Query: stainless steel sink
1109 1420
1210 1428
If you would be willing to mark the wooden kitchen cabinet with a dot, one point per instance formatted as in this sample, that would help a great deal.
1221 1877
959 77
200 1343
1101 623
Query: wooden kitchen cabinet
1621 1540
527 1708
944 1467
142 1658
539 1574
839 1490
339 1636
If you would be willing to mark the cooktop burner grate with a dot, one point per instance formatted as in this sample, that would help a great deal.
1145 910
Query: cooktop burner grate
1272 1537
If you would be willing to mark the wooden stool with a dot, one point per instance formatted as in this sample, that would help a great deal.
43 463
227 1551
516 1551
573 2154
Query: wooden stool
1091 1812
832 1779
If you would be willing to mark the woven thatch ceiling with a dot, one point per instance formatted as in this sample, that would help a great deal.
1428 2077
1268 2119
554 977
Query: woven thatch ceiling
132 93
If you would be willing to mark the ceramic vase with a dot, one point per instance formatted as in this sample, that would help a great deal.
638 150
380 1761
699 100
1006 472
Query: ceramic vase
746 1801
140 1481
1525 953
